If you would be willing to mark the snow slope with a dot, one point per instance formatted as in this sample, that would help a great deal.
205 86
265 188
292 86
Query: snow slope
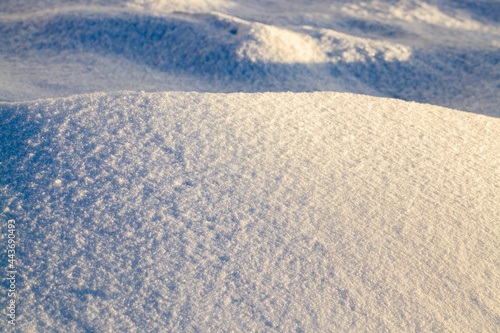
275 212
218 165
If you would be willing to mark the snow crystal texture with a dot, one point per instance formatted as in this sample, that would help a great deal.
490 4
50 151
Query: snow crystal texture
251 166
276 212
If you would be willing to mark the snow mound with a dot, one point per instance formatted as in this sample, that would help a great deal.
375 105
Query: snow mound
269 212
222 51
156 46
272 44
184 40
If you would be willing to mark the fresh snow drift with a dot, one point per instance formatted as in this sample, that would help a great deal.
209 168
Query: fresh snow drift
439 52
244 166
308 212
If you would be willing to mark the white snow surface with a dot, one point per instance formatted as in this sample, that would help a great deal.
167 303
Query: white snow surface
277 212
251 166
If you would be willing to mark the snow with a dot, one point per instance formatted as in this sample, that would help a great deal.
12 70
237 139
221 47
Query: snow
257 166
439 52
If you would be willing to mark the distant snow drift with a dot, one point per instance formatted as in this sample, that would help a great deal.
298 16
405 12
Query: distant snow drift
409 50
274 212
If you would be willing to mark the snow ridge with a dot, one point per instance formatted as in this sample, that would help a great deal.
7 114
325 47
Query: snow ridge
300 212
221 52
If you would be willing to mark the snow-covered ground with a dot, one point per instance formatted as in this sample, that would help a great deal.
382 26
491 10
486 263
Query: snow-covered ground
439 52
219 166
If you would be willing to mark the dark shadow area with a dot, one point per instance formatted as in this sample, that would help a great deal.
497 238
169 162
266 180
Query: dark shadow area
374 28
489 9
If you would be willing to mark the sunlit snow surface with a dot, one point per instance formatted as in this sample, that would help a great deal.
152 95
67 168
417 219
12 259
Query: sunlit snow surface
298 211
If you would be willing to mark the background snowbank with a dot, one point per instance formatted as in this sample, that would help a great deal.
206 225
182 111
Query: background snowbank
440 52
